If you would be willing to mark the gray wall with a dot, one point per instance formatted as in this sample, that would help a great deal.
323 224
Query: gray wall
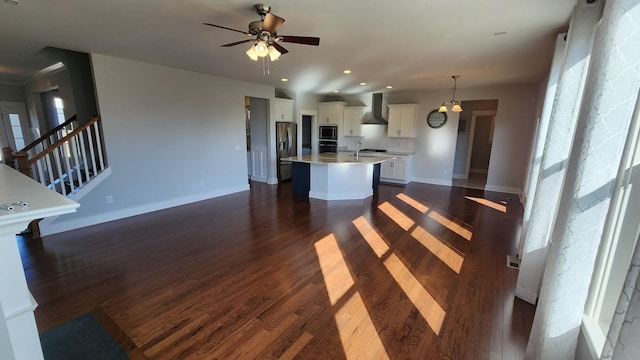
435 148
172 137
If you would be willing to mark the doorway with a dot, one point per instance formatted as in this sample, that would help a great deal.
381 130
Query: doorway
308 134
474 143
307 125
257 120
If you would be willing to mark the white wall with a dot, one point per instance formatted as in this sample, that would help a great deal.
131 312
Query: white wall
172 137
514 123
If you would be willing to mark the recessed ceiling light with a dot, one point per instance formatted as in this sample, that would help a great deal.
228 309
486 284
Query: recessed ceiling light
347 71
389 87
363 83
336 91
284 79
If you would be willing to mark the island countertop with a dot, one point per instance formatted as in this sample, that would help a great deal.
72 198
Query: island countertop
337 158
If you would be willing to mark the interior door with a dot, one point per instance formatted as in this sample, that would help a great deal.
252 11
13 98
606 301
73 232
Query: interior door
14 125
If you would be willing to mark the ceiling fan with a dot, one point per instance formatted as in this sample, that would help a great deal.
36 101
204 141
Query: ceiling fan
265 37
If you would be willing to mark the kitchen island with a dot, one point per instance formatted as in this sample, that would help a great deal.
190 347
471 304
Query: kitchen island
331 176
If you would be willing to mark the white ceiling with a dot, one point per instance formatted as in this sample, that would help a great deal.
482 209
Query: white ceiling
409 44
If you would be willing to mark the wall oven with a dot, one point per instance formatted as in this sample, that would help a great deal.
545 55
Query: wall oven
328 133
325 146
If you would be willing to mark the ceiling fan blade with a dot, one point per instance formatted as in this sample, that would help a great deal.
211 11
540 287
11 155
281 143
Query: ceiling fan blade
235 43
271 23
226 28
279 48
307 40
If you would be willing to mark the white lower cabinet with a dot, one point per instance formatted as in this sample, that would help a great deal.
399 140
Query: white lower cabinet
397 170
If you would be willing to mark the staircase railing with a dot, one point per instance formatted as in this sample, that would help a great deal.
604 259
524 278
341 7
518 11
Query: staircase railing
67 163
52 135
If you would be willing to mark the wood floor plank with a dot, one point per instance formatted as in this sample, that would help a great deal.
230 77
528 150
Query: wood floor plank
241 276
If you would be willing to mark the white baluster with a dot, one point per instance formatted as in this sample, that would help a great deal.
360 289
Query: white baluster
91 151
83 152
56 157
99 145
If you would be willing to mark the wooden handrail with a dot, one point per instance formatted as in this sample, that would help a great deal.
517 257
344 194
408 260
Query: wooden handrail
63 140
49 133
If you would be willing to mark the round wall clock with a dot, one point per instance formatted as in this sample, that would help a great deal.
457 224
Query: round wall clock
436 119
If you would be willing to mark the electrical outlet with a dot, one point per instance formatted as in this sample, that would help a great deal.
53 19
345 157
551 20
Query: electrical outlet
109 199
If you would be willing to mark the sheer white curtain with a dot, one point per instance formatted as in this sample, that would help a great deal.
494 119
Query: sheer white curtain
562 124
603 122
623 340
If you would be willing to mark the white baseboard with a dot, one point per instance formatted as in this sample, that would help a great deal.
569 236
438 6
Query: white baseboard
394 181
504 189
52 227
259 179
529 296
340 196
459 176
102 176
272 181
445 182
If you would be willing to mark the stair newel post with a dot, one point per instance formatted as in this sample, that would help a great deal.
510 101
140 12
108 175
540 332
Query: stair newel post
7 156
23 162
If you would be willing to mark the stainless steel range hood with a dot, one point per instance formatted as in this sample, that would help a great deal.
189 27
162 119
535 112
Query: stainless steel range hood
375 117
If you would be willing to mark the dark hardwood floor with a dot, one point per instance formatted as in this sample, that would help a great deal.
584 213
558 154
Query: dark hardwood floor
264 274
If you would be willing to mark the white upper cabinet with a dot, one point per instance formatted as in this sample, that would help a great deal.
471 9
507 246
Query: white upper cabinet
352 119
284 109
402 120
331 112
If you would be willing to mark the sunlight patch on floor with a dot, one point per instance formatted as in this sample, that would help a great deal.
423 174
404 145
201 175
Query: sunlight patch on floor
396 215
451 225
371 236
359 336
443 252
414 203
430 310
334 269
489 203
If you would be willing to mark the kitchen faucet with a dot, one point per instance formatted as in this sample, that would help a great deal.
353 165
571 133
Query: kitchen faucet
358 144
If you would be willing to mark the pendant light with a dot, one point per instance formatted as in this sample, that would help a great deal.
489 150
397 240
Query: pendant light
455 105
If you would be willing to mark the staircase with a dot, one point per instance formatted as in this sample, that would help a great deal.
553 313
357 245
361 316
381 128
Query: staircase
66 159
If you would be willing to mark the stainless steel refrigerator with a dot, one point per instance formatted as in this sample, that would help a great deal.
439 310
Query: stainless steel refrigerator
286 145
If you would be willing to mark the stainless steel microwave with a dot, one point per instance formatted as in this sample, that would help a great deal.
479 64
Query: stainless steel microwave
328 133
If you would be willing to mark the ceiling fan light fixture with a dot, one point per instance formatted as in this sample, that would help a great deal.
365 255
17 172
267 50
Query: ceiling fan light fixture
456 107
443 108
274 54
251 53
262 49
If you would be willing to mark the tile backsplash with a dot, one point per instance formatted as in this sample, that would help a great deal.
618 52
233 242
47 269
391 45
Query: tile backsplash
375 137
